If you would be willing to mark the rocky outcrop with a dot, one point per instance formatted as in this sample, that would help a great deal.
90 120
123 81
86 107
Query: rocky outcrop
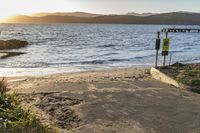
12 44
4 55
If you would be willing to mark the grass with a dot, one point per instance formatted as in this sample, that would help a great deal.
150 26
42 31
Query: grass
12 116
190 77
188 74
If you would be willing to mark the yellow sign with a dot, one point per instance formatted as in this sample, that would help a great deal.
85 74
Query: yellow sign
166 45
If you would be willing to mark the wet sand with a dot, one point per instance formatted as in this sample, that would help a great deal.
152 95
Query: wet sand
121 101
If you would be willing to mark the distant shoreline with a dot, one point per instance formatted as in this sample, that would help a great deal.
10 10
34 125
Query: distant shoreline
94 24
174 18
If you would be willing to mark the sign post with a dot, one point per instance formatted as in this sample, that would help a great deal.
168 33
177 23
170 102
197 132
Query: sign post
157 48
165 48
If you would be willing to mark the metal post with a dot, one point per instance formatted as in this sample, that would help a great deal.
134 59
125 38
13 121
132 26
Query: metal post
164 59
157 48
170 61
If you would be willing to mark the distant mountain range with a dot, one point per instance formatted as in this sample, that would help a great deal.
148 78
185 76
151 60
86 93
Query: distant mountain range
142 14
74 14
174 18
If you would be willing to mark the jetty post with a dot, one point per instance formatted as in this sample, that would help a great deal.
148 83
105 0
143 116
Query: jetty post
157 48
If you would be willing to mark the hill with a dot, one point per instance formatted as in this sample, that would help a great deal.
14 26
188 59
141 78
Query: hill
74 14
138 14
175 18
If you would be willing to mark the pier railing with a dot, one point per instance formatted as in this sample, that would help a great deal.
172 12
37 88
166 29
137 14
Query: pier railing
166 42
180 30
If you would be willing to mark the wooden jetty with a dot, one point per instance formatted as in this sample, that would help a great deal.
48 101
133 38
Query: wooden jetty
180 30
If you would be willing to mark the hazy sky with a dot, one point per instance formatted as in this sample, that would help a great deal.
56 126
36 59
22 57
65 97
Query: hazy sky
9 7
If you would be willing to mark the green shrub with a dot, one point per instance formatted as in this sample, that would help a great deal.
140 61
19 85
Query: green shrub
13 118
190 76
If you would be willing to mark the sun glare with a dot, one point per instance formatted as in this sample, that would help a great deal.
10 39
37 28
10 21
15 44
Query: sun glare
7 9
26 7
4 16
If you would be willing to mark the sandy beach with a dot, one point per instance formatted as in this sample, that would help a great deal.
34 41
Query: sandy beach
121 101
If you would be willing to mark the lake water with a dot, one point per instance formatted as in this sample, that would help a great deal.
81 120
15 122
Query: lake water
64 48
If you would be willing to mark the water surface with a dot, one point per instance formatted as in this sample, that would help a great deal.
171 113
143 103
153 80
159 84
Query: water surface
83 47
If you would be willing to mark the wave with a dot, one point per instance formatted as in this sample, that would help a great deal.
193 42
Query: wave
50 39
112 53
118 60
176 51
197 59
99 61
90 62
145 56
188 48
106 46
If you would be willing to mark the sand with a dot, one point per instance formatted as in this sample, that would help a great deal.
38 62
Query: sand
121 101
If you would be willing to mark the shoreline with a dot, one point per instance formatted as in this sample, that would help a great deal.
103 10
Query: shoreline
51 71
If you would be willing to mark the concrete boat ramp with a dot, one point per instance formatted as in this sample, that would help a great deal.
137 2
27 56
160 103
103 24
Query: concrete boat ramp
119 101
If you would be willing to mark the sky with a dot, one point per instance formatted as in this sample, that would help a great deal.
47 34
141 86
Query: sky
12 7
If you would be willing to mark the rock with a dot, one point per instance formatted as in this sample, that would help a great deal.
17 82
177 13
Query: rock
178 64
4 55
12 44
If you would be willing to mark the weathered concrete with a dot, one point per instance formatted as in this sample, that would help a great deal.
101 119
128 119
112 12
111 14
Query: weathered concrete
122 102
156 74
